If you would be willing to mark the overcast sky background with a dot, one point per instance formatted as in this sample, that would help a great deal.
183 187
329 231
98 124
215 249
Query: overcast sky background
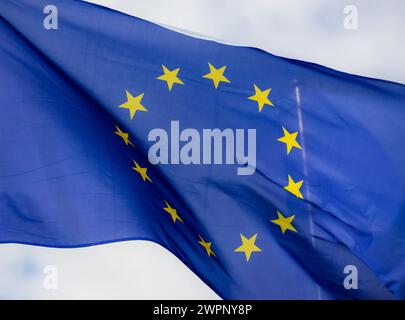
310 30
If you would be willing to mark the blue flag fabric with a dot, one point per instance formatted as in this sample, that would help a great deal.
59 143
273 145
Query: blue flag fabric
104 136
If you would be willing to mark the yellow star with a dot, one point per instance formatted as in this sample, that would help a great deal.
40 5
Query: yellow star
261 97
172 212
248 246
284 223
207 246
170 77
294 187
123 135
216 75
133 104
142 172
290 140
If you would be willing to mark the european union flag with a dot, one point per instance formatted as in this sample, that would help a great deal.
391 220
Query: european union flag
268 177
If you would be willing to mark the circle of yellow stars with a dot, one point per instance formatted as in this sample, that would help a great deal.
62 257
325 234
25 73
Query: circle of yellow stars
261 98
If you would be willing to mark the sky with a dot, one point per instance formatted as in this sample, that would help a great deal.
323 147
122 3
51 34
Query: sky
312 30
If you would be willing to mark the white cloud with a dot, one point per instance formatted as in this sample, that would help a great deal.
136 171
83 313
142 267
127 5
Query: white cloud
127 270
